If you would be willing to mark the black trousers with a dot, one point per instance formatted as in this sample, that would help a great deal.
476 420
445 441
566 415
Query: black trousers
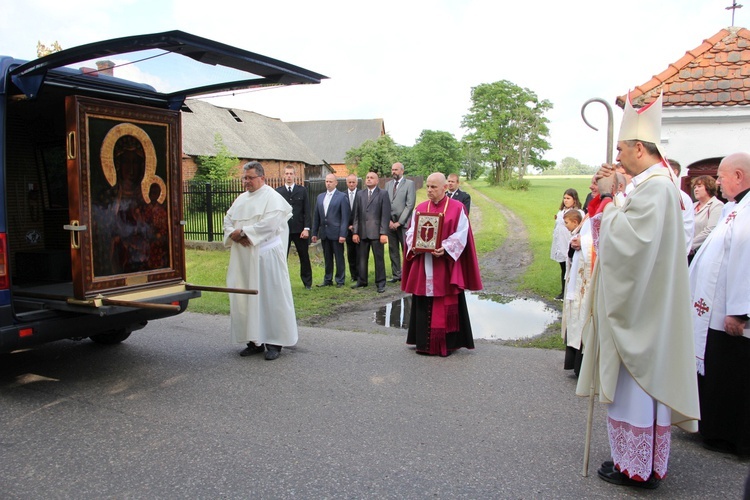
352 257
332 249
396 250
302 246
378 253
724 392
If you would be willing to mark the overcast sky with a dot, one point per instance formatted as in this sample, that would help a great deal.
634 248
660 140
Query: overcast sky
412 62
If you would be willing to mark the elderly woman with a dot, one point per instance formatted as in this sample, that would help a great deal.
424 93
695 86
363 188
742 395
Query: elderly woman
707 210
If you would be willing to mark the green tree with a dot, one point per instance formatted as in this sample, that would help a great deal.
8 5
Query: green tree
406 157
571 166
436 151
506 124
373 156
471 163
217 167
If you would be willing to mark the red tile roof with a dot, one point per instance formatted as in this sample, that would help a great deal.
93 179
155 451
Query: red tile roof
716 73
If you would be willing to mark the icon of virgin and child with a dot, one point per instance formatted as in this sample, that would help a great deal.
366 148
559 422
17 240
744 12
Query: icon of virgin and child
130 216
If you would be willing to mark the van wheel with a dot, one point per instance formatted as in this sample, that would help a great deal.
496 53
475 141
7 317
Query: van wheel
111 337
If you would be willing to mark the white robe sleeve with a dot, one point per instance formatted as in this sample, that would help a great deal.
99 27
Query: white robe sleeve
455 243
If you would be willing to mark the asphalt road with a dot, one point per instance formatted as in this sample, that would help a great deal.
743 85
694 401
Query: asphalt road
175 412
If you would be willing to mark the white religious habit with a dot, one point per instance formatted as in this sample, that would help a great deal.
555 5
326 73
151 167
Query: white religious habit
268 317
638 337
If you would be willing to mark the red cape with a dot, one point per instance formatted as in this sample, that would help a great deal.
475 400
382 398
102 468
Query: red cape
449 277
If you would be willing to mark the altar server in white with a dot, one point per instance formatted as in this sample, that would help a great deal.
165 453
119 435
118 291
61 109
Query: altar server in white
720 282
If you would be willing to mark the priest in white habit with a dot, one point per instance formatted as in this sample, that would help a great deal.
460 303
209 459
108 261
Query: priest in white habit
720 281
638 347
256 231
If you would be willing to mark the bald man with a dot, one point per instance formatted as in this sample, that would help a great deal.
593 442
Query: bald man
330 224
439 323
720 285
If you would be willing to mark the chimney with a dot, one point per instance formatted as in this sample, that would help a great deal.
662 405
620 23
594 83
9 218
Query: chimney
106 67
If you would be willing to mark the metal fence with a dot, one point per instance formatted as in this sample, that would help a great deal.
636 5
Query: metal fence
206 203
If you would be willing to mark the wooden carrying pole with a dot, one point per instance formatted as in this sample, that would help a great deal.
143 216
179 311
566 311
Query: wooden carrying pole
203 288
139 305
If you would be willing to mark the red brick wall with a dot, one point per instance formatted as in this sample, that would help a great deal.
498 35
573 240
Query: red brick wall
274 168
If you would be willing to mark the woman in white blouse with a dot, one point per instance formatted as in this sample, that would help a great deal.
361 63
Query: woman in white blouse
707 210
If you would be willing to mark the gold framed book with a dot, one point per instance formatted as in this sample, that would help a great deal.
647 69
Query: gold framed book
428 230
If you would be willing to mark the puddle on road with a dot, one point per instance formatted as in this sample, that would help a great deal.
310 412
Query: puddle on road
493 316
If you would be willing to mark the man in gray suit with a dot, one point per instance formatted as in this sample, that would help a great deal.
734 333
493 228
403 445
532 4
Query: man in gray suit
403 197
372 211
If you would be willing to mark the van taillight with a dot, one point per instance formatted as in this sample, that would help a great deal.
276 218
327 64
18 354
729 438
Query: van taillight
4 282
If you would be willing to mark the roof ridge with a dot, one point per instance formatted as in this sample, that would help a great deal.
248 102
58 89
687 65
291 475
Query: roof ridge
697 56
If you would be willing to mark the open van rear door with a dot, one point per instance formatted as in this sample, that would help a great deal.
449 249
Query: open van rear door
160 69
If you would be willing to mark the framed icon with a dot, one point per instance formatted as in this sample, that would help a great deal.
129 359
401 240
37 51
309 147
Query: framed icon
428 230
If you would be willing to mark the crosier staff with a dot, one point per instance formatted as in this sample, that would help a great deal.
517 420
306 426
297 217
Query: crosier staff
595 349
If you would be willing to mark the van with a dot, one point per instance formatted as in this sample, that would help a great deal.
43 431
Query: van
91 222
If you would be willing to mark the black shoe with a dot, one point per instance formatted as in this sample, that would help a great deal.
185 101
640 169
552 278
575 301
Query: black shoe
308 287
273 352
394 280
608 464
620 479
339 285
324 284
358 285
252 349
559 297
381 289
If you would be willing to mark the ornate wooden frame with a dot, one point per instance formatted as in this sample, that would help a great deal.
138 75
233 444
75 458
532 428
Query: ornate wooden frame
125 203
428 230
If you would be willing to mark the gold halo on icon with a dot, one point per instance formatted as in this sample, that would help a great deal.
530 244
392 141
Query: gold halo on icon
108 162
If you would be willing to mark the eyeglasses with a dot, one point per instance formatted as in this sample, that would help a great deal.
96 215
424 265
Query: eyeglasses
248 178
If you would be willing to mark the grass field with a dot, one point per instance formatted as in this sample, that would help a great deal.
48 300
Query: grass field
536 207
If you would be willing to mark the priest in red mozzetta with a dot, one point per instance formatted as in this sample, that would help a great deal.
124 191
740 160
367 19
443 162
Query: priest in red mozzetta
437 275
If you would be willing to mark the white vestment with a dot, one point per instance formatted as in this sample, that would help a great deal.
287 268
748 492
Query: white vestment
561 236
576 303
717 290
640 317
267 317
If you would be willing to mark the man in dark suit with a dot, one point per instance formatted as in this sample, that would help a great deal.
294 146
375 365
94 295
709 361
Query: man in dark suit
456 194
351 247
403 197
330 222
299 224
372 212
